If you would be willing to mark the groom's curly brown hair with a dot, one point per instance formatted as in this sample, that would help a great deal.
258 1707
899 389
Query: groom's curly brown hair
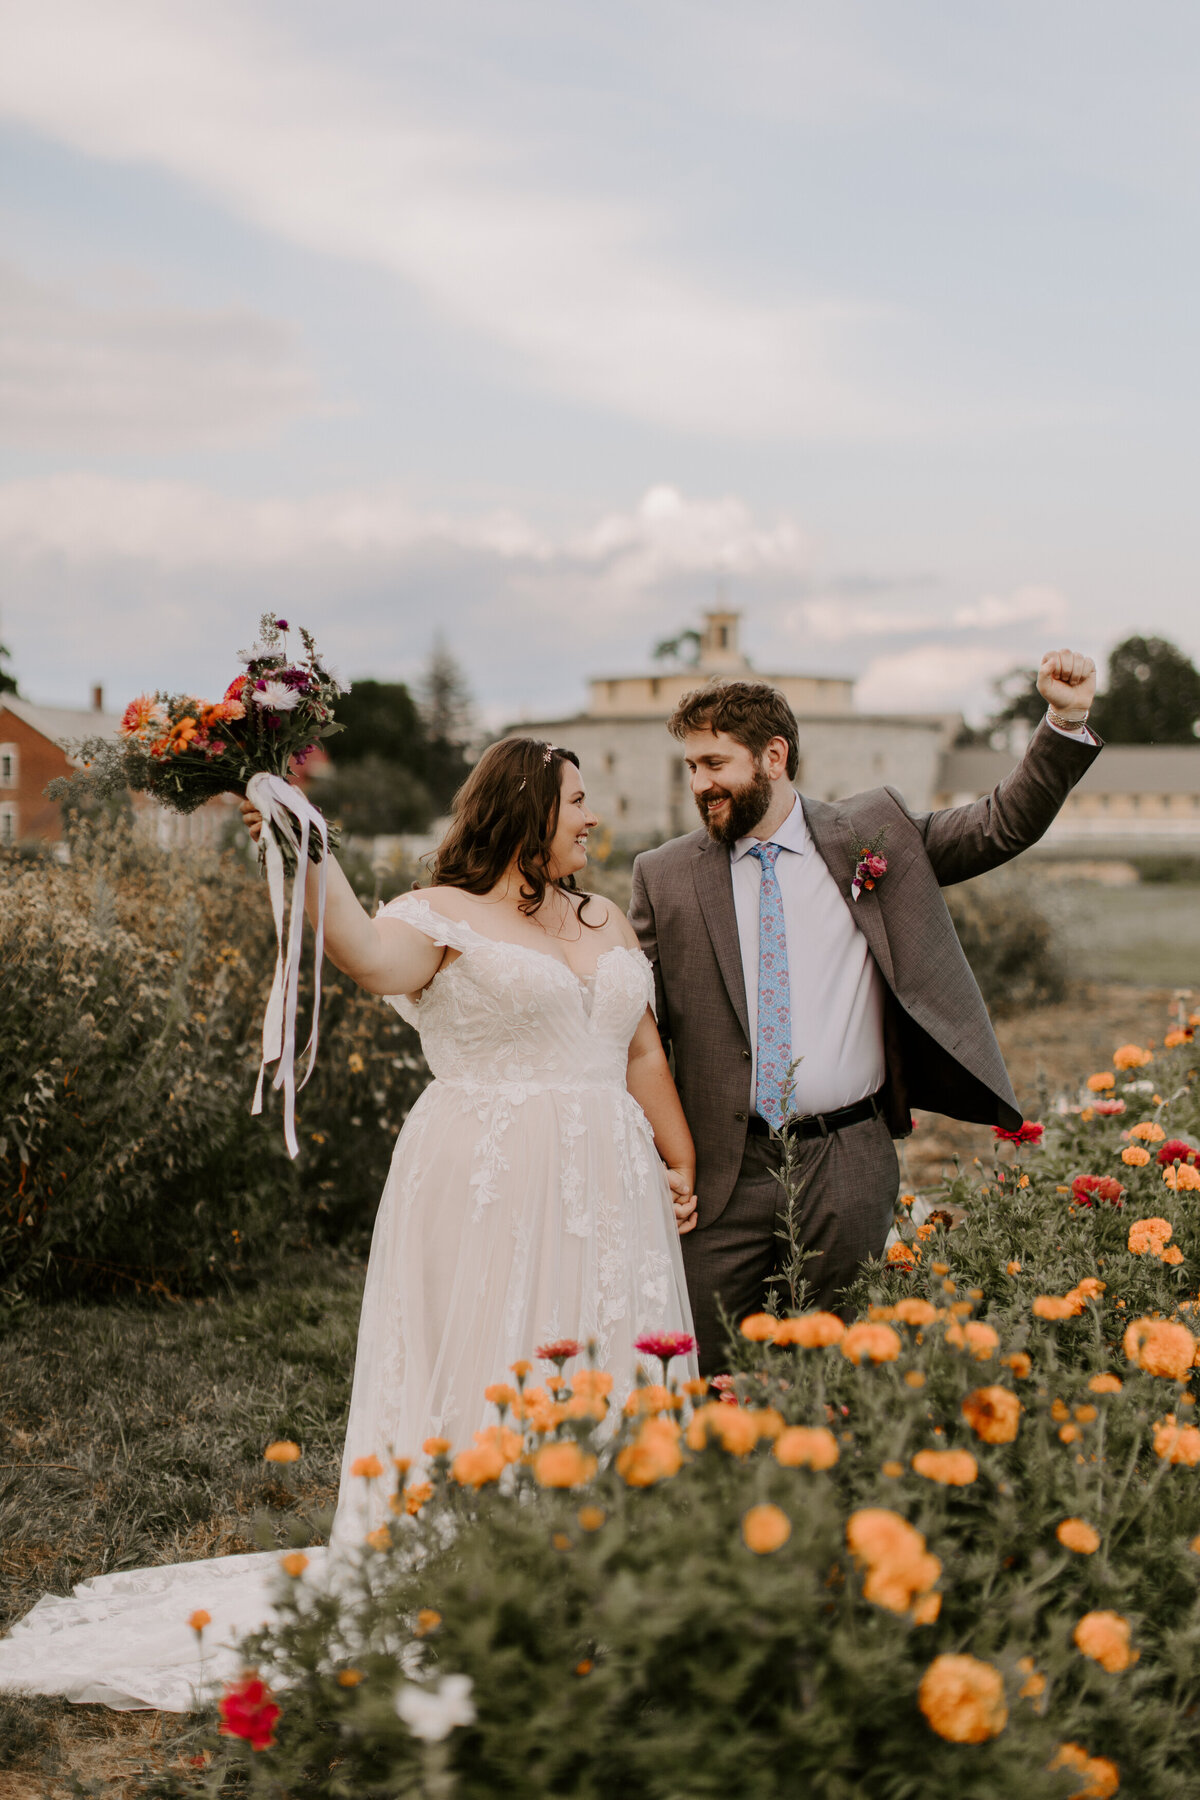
750 712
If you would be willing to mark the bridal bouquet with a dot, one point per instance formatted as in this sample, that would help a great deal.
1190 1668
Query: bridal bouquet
183 750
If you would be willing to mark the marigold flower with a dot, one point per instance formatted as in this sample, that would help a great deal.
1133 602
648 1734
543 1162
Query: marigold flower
1057 1306
349 1678
807 1447
1160 1347
903 1256
417 1495
695 1389
892 1469
1182 1178
428 1619
1034 1684
926 1231
435 1446
1135 1156
1078 1535
1172 1256
963 1699
1175 1039
914 1378
355 1063
1100 1083
765 1529
1131 1056
899 1569
1148 1132
282 1451
501 1395
732 1427
810 1331
294 1563
1105 1384
1013 1268
541 1412
248 1710
973 1335
563 1466
940 1268
915 1312
1090 1288
1020 1362
654 1454
367 1468
925 1611
1104 1637
593 1384
1103 1776
199 1619
478 1466
952 1468
520 1368
652 1397
872 1343
993 1413
380 1538
1175 1443
759 1327
591 1518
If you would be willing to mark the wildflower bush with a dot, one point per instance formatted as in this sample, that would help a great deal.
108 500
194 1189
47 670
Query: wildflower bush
951 1549
131 993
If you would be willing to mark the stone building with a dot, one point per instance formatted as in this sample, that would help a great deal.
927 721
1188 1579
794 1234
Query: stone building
634 769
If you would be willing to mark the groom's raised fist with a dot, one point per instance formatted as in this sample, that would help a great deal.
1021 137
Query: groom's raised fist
1067 682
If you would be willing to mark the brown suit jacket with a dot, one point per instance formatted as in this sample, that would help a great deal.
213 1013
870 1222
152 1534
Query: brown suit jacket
941 1052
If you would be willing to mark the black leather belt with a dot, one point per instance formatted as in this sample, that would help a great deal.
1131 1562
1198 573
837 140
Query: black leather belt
819 1124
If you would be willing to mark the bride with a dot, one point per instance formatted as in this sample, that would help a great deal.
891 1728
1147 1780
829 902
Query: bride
537 1191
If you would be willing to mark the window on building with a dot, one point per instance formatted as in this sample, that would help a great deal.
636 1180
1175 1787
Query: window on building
721 636
8 824
654 687
8 765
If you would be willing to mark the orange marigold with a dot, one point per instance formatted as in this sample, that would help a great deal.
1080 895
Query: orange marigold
1078 1535
1105 1384
1160 1347
732 1427
765 1529
915 1312
1104 1637
1131 1056
654 1454
416 1495
963 1699
1135 1156
500 1394
1181 1179
870 1343
1177 1443
993 1413
899 1569
981 1340
1100 1083
1020 1362
1034 1684
651 1398
1147 1236
591 1518
294 1563
903 1256
1057 1306
1172 1256
1148 1132
811 1331
953 1468
477 1466
367 1468
593 1384
435 1446
1014 1267
759 1327
1103 1776
563 1466
806 1447
282 1451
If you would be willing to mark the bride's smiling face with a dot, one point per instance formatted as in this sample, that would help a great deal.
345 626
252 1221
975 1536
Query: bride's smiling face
567 851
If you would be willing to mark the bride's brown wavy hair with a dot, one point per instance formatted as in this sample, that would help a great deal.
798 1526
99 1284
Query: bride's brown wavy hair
505 811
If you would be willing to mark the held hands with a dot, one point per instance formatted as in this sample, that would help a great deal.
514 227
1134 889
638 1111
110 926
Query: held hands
683 1199
1067 683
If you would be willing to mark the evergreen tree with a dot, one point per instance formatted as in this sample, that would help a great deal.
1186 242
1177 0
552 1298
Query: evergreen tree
1152 696
8 681
448 715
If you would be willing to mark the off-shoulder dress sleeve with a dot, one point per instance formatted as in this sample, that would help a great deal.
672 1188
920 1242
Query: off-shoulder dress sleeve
415 911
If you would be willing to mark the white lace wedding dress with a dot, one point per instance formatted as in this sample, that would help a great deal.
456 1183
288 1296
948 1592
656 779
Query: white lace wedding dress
525 1201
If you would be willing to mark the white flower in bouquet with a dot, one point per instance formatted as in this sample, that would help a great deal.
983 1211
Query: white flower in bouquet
432 1716
276 695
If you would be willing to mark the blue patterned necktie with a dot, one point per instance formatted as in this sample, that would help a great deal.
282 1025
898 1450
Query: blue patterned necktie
774 1037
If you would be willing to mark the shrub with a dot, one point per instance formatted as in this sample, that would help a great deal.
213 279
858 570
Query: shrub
954 1550
131 994
1009 943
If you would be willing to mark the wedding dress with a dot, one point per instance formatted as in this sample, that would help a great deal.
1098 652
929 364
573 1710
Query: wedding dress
525 1202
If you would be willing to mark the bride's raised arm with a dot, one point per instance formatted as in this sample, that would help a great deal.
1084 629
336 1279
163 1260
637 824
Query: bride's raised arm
384 956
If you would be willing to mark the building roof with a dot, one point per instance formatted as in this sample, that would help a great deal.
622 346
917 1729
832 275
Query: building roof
1121 769
62 724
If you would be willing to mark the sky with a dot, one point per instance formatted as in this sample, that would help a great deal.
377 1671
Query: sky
545 325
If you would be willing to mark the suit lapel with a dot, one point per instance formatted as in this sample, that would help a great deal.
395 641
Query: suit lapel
833 834
714 890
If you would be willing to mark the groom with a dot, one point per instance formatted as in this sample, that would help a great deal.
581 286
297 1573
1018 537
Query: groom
768 947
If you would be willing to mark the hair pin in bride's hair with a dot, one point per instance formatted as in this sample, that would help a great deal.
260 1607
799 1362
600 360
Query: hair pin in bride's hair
548 754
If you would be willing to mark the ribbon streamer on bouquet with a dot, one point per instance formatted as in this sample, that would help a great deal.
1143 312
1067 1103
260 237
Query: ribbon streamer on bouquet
288 816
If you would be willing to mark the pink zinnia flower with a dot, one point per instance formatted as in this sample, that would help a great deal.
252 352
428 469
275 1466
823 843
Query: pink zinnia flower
665 1345
1026 1133
559 1352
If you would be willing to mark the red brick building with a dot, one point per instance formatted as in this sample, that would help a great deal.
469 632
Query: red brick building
31 756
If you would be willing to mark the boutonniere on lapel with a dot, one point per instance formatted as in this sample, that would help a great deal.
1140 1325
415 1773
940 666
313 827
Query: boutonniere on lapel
871 865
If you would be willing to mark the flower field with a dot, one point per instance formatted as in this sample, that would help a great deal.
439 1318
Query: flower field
951 1549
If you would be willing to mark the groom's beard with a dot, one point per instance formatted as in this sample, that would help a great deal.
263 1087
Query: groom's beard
746 807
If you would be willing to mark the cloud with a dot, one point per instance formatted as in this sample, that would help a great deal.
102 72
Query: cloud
932 678
839 619
138 377
573 289
1024 606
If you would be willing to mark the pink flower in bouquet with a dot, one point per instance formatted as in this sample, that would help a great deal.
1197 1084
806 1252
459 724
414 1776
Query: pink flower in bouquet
1026 1133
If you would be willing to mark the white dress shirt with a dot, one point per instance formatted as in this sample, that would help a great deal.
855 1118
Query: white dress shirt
836 988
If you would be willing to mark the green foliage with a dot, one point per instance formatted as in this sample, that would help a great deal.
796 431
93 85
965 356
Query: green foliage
371 795
8 681
625 1637
131 992
380 719
1009 943
1152 695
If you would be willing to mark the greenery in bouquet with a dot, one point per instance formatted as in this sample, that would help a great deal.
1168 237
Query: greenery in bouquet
184 750
951 1549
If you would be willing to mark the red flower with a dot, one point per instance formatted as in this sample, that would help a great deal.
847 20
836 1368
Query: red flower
1087 1189
1026 1133
248 1711
1176 1151
560 1351
666 1344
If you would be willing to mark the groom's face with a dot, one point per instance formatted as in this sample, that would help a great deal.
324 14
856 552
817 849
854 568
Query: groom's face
730 785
